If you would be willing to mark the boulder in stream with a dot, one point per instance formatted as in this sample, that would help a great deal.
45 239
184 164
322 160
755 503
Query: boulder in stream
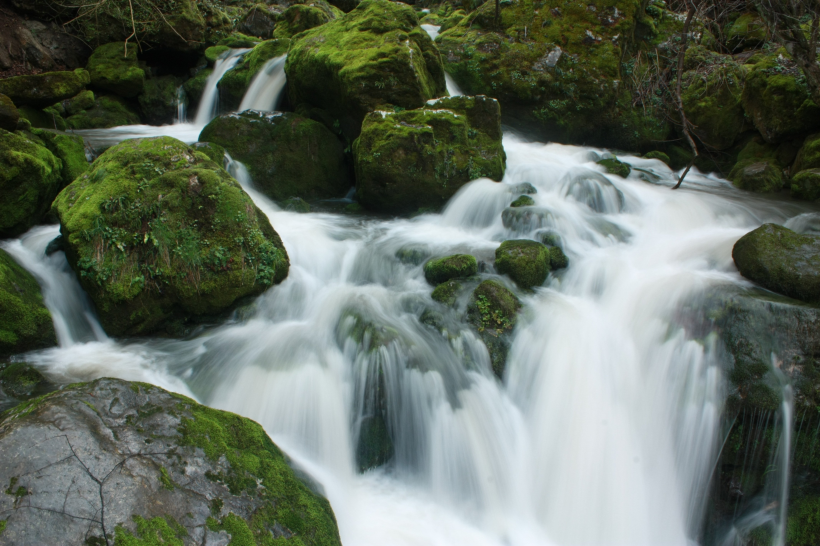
440 270
159 235
107 111
526 262
129 463
42 90
492 312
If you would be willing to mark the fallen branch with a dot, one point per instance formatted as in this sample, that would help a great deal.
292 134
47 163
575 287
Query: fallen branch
690 14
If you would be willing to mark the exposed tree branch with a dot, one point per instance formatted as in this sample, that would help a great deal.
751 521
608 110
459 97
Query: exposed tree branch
690 14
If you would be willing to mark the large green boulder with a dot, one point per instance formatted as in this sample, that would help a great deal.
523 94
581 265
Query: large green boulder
374 57
526 262
412 159
68 148
159 234
300 17
108 111
82 101
809 155
161 467
440 270
747 31
286 155
554 67
235 82
712 101
42 90
30 178
492 312
806 185
114 67
777 99
159 100
781 260
25 323
8 114
757 168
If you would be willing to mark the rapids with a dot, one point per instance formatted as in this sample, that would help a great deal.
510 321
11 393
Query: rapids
606 427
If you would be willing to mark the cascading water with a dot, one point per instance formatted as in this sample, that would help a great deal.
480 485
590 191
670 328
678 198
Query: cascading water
209 103
266 88
605 429
182 107
452 87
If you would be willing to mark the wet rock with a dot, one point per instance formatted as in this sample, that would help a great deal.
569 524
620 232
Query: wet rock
215 152
594 190
259 21
412 256
712 101
21 382
300 17
129 462
525 262
413 159
781 260
613 166
55 245
457 266
296 204
492 312
159 99
158 234
286 155
656 154
558 260
376 55
525 219
757 168
82 101
69 149
115 68
108 111
808 157
235 83
447 292
8 114
524 188
195 86
42 90
523 201
25 323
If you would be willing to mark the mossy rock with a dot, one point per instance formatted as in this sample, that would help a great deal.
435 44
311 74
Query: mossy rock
259 21
30 178
558 260
114 67
413 159
447 292
159 100
215 152
803 525
300 17
712 102
376 55
440 270
201 473
806 185
747 32
25 323
613 166
296 204
22 381
286 155
235 83
48 118
8 114
237 40
194 87
781 260
757 168
76 104
525 262
492 312
657 154
158 233
70 149
777 99
108 111
523 201
215 52
43 90
809 155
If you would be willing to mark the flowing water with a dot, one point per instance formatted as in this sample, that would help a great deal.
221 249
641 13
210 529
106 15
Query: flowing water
606 426
266 87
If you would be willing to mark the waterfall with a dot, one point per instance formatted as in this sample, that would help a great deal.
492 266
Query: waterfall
182 106
209 103
452 87
266 88
605 427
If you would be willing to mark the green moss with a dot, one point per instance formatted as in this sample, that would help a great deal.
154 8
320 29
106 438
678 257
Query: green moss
757 168
20 380
158 100
747 31
70 149
286 155
523 201
406 160
809 155
157 232
108 111
656 154
237 40
30 177
613 166
196 85
9 115
114 67
492 311
154 532
440 270
215 152
43 90
166 480
558 260
712 101
376 55
526 262
301 17
806 185
46 119
2 526
447 292
215 52
255 460
803 527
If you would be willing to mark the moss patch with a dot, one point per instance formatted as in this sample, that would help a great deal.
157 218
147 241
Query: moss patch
108 111
523 201
154 532
440 270
42 90
447 292
613 166
114 67
301 17
492 312
526 262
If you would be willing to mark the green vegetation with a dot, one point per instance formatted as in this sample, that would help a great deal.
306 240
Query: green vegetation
19 379
154 532
757 168
440 270
113 67
526 262
300 17
447 292
43 90
613 166
523 201
492 312
108 111
158 100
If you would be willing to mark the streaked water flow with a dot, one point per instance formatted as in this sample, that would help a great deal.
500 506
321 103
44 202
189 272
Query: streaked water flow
265 90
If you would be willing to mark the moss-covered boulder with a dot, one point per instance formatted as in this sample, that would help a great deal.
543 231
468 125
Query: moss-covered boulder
8 114
108 111
757 168
612 165
159 100
659 155
195 86
777 99
42 90
30 178
76 104
412 159
376 55
69 149
286 155
781 260
215 52
440 270
161 467
805 185
114 67
235 83
492 312
259 21
300 17
159 234
746 32
523 201
712 101
214 151
809 155
447 292
48 118
25 323
526 262
21 381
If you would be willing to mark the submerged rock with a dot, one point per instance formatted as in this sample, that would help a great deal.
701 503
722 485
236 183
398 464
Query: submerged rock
114 68
374 56
42 90
129 463
457 266
286 155
523 201
417 159
492 312
525 262
447 292
159 234
781 260
25 323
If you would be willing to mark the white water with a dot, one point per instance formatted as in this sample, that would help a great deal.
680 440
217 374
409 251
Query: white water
605 428
452 87
266 88
209 103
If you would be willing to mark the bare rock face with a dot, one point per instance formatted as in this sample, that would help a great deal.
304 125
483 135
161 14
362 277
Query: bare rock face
117 462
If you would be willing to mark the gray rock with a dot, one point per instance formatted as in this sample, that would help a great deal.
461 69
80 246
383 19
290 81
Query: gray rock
102 461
